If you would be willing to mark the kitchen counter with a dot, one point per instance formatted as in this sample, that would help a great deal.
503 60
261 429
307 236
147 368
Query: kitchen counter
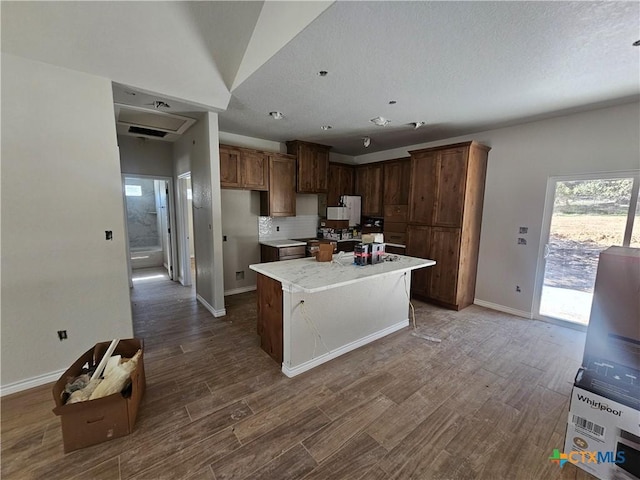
283 243
310 276
311 312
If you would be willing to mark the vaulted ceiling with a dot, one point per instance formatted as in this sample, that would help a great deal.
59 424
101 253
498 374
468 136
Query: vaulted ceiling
460 67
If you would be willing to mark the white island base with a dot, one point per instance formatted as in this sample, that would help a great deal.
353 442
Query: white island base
311 312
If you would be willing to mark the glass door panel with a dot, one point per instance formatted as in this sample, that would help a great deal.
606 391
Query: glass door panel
588 216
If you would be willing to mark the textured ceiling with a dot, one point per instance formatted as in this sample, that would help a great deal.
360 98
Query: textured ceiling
461 67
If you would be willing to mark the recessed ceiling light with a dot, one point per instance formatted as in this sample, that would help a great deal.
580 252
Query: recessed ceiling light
323 73
392 102
326 127
636 43
417 124
380 121
277 115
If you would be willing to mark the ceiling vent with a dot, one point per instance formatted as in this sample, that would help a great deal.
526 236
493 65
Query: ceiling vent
143 122
147 131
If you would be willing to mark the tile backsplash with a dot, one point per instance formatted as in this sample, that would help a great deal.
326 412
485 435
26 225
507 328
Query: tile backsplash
280 228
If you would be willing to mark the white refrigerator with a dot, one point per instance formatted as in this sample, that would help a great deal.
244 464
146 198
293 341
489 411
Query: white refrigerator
353 204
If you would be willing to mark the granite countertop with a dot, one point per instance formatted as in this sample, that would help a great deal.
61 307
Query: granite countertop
308 275
283 243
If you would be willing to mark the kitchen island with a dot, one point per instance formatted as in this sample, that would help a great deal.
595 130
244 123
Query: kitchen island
310 312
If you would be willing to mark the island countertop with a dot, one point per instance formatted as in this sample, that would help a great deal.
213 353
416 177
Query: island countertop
308 275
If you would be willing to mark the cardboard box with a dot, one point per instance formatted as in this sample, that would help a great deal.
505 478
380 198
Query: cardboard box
613 335
603 437
95 421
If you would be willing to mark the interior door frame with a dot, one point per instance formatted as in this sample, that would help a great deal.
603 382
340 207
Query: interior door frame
171 217
545 231
184 274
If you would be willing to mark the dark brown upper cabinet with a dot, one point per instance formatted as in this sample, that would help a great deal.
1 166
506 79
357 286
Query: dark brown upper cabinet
243 168
341 182
313 166
280 200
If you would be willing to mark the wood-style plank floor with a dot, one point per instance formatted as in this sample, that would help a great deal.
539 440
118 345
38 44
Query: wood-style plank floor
488 402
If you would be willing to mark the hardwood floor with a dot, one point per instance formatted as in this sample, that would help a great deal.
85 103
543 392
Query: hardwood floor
488 402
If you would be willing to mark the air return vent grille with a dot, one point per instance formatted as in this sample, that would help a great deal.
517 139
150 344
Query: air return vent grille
147 131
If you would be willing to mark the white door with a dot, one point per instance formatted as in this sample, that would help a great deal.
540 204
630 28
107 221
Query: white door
583 216
166 225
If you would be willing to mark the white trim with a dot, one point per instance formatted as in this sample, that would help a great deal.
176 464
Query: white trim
236 291
562 323
292 372
213 311
502 308
32 382
182 206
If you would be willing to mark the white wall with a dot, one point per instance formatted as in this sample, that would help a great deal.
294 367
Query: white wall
521 160
61 189
197 151
142 156
240 212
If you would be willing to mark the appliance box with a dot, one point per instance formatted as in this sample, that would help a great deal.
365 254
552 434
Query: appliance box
612 381
337 213
361 254
95 421
377 253
597 424
613 334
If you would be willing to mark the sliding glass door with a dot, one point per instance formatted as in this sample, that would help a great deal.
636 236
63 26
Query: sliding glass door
583 216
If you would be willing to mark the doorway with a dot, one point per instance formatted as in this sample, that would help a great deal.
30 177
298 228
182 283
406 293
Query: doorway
150 218
584 215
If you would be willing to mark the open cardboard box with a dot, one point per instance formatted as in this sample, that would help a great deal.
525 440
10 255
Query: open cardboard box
95 421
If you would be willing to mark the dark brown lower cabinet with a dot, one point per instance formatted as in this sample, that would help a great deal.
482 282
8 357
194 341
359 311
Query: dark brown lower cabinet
269 295
449 282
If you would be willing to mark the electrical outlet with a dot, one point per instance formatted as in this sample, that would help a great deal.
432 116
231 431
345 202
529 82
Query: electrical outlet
522 241
108 235
277 228
523 230
239 275
62 334
518 290
224 238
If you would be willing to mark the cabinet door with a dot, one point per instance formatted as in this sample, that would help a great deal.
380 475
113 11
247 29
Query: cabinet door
340 182
396 182
305 183
369 186
418 245
229 167
423 185
254 170
320 170
451 173
444 248
282 194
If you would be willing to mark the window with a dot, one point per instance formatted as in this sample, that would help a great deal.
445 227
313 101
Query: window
133 190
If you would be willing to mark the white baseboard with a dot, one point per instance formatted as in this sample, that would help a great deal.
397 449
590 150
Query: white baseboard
292 372
28 383
502 308
236 291
214 312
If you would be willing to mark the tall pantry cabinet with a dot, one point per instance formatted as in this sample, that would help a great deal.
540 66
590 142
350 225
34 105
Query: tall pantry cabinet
445 213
